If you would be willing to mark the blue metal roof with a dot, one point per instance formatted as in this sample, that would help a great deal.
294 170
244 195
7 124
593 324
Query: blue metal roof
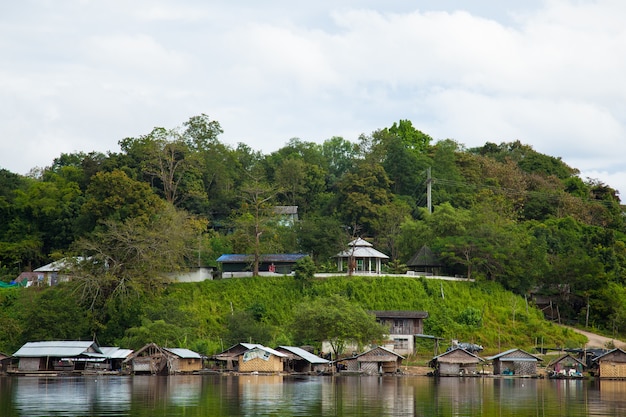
278 257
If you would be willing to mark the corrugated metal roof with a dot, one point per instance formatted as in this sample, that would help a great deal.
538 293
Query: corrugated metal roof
250 345
400 314
607 354
270 350
286 209
360 243
64 348
60 265
308 356
114 352
184 353
277 257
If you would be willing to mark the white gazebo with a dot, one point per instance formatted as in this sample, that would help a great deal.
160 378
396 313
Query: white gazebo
361 257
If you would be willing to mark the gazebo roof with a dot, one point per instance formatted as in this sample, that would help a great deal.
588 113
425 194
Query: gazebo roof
361 248
359 242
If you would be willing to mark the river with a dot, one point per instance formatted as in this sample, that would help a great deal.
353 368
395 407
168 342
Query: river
258 395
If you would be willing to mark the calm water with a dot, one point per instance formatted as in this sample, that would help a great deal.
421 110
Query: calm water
214 395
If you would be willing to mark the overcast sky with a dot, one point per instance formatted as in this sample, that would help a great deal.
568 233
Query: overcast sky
79 75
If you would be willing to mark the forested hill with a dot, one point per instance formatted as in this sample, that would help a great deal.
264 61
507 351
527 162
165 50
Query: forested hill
179 197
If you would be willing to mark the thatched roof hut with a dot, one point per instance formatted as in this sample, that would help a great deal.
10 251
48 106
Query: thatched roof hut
424 260
514 362
376 361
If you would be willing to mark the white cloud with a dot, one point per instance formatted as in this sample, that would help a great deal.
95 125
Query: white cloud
81 75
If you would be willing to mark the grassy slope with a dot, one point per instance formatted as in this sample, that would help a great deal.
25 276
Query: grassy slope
194 315
480 313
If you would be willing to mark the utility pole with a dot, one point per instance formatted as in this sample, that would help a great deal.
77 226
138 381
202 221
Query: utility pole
429 186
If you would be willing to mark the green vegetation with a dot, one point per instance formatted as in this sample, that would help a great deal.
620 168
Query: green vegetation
212 315
502 214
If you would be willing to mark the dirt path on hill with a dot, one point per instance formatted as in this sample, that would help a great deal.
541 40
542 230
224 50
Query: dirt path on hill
597 341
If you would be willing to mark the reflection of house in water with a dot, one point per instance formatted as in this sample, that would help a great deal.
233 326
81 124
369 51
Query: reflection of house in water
257 390
376 397
70 397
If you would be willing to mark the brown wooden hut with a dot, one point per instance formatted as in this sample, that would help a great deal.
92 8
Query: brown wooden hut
376 361
262 359
515 362
228 360
612 365
403 326
156 360
566 366
455 362
183 360
5 362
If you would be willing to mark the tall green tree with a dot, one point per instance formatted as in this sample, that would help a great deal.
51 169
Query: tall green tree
336 320
113 196
362 194
253 225
129 258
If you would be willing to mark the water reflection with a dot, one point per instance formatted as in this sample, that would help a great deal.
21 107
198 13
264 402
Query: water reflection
257 395
70 396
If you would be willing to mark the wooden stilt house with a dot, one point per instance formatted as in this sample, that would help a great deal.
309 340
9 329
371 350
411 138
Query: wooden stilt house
566 366
456 362
515 362
376 361
155 360
299 360
228 360
262 359
58 356
612 365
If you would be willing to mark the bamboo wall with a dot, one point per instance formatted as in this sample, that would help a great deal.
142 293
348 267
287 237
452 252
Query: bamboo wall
274 364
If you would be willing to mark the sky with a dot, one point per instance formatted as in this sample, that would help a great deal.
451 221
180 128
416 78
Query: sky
80 75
